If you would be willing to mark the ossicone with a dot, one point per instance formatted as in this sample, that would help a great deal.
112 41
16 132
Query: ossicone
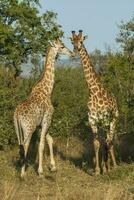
73 32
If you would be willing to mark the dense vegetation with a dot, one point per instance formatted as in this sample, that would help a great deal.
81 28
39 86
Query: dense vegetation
70 92
24 32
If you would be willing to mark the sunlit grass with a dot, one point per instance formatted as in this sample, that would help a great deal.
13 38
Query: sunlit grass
71 181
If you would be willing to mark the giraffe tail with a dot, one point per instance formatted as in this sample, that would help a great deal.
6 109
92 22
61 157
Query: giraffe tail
20 137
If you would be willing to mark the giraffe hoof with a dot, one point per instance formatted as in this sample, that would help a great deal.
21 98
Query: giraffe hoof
97 172
109 169
23 173
115 166
41 175
52 169
104 170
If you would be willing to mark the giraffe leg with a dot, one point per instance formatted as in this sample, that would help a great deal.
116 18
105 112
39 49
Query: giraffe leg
111 151
50 144
107 162
104 157
25 146
110 143
41 148
96 149
45 125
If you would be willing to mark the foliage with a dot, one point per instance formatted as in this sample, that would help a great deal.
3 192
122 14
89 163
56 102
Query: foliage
69 100
126 39
11 92
98 60
24 32
118 77
118 74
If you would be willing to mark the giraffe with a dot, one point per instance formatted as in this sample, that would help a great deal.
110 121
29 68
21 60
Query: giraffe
102 107
37 110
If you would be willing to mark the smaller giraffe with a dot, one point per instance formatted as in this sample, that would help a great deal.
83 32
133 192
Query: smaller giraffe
37 110
102 107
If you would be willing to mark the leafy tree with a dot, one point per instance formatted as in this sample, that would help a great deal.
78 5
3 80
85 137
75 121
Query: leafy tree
118 78
98 60
126 39
11 92
118 75
24 32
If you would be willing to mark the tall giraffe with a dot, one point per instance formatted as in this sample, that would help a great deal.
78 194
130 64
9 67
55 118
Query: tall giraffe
37 110
102 107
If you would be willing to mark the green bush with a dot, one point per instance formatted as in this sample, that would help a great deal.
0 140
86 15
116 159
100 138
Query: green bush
118 76
11 93
69 100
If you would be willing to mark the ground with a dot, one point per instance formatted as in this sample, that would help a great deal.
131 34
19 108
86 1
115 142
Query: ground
74 179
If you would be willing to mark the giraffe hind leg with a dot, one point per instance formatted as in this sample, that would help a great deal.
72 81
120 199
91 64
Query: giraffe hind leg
50 144
110 138
22 154
113 157
41 149
24 146
24 149
45 126
19 133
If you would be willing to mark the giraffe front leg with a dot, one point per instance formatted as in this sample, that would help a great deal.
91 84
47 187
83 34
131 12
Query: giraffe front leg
50 144
96 144
96 149
110 138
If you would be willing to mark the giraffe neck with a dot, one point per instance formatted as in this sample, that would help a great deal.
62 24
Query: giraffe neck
91 76
47 79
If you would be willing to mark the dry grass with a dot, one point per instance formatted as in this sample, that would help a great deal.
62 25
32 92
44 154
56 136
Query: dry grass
73 179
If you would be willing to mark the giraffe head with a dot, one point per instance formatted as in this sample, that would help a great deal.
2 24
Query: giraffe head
59 47
77 40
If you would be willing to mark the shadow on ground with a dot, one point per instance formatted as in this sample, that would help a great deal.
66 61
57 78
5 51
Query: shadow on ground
32 158
125 148
79 151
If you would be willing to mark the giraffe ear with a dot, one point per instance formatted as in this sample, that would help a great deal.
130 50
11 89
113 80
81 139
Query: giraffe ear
85 37
73 33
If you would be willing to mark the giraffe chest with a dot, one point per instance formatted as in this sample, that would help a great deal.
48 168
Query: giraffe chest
100 109
100 101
